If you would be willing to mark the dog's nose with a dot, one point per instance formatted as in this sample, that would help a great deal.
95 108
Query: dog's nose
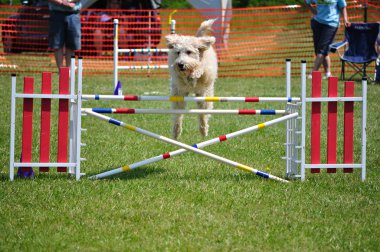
181 66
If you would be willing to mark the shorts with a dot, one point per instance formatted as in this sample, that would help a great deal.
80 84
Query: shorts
323 37
64 30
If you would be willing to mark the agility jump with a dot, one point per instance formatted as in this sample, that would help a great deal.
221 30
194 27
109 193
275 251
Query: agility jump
295 143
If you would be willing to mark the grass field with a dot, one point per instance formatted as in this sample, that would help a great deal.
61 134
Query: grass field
189 202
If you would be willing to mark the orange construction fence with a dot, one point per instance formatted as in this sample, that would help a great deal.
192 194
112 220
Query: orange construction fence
250 41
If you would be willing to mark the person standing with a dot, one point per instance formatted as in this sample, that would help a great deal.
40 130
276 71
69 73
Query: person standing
324 25
64 29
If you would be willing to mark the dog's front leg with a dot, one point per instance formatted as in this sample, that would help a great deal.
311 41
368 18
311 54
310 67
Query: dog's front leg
177 119
203 118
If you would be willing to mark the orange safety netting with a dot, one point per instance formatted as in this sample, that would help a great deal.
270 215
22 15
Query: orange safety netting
250 41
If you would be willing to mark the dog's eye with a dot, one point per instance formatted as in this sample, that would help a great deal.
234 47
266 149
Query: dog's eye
178 53
188 52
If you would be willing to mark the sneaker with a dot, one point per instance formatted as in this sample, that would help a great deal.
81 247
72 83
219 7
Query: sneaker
327 75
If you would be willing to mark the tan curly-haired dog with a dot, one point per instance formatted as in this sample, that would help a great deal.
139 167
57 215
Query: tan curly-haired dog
193 68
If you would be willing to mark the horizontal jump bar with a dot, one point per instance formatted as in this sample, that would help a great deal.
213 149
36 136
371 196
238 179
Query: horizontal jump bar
190 98
45 164
186 111
322 166
333 99
144 50
144 67
45 96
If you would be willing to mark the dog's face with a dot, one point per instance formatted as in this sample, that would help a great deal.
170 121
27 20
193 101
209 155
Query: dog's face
185 54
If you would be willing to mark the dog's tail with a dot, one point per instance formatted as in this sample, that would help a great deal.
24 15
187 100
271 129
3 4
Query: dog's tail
205 27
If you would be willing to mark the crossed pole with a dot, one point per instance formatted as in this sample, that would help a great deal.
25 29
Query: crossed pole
195 148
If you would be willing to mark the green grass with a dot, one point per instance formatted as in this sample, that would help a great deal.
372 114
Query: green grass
189 202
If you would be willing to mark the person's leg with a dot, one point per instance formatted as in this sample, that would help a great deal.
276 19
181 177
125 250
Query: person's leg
326 39
319 60
327 65
58 53
69 54
73 36
56 36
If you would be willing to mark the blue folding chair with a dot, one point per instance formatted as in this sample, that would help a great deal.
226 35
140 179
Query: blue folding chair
360 48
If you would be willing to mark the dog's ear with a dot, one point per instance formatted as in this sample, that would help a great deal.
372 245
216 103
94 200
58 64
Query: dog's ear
171 40
205 42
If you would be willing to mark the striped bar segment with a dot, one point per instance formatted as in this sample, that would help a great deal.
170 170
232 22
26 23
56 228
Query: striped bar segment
189 98
102 110
212 99
113 121
176 98
125 111
222 138
130 98
252 99
186 111
125 168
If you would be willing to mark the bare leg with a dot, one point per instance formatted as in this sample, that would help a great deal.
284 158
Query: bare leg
319 60
58 53
327 64
69 53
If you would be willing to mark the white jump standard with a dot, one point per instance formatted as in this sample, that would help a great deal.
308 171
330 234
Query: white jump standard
117 51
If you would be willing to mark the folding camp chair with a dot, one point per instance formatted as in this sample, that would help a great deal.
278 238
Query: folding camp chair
360 48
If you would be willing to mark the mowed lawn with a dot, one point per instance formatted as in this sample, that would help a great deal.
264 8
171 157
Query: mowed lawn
189 202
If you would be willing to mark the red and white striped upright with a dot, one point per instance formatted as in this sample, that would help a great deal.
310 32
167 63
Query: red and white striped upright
64 97
332 126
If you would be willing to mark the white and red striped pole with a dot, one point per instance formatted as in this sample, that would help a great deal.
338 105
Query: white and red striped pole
189 98
187 111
